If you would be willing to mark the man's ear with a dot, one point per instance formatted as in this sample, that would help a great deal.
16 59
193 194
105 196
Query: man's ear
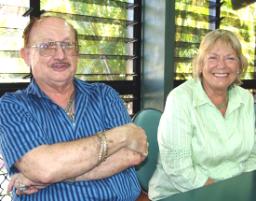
24 54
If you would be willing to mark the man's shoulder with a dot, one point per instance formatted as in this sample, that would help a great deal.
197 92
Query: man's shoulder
13 96
11 101
93 86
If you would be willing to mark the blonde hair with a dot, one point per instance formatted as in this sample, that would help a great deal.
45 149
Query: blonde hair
208 42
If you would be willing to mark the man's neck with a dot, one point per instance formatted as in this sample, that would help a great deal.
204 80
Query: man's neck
60 94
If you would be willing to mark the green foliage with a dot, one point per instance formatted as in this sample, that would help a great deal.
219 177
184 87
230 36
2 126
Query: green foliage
97 20
242 23
192 23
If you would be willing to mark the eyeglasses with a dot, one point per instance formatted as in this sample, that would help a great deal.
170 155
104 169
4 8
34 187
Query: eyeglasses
50 48
229 59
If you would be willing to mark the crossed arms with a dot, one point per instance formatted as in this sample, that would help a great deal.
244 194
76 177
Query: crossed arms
78 160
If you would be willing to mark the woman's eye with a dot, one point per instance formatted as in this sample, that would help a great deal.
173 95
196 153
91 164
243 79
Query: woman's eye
212 58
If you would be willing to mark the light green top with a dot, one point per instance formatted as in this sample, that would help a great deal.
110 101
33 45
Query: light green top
196 142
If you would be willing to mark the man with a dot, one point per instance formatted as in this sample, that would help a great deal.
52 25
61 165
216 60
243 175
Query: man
62 138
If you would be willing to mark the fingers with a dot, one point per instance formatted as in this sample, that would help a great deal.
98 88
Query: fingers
26 190
23 185
11 183
135 158
21 188
30 191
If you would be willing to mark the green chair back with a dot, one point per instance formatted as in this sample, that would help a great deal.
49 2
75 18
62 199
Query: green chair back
148 119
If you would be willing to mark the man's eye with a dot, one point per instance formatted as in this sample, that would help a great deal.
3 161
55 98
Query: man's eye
67 45
49 45
44 46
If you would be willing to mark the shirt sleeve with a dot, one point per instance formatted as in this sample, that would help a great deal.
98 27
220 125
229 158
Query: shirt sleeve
175 138
250 164
19 133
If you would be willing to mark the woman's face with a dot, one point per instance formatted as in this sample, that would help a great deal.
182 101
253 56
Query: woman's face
221 67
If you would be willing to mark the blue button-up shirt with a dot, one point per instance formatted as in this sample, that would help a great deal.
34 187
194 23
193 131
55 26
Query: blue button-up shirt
28 119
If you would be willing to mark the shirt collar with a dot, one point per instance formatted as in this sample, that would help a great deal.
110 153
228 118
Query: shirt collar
34 89
200 97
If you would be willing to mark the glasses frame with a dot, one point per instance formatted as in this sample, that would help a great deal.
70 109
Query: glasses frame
69 48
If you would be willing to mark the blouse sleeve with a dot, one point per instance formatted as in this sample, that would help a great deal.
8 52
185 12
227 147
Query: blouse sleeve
174 137
250 164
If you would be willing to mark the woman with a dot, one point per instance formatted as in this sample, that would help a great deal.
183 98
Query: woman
206 132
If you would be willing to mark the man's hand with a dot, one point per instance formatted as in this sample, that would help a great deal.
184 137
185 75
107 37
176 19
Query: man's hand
23 185
135 138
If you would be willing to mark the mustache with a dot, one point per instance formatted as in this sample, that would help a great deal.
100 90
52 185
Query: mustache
62 63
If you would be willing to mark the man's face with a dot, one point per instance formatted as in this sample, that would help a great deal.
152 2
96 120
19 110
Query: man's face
52 56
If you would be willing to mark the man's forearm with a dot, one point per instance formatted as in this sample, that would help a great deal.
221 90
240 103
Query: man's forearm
62 161
58 162
117 162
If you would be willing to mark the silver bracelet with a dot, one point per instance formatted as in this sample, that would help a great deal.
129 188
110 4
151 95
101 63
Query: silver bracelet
103 152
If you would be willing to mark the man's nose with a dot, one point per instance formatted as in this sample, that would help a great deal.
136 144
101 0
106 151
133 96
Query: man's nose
59 52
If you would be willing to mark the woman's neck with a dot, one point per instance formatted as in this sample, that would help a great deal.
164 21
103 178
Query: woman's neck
219 98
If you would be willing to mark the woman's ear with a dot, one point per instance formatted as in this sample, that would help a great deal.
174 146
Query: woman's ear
24 54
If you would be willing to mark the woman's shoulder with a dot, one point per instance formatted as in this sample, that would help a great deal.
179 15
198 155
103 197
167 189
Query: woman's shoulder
240 91
241 94
187 88
184 93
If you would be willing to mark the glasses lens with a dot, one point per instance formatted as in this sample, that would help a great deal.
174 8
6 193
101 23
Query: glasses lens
69 48
47 49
